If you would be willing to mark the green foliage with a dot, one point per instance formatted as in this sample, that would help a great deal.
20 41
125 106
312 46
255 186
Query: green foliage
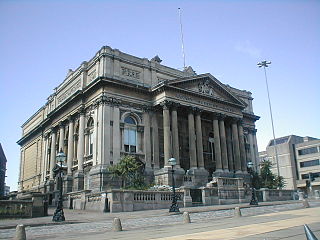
130 171
267 179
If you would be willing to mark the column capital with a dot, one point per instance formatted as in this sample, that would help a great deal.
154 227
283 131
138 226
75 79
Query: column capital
82 110
166 104
197 110
53 129
235 119
70 118
147 109
61 124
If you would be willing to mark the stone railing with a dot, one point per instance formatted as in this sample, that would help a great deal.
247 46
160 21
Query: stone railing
121 200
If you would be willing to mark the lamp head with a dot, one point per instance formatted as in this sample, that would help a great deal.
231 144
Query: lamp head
172 161
250 165
61 157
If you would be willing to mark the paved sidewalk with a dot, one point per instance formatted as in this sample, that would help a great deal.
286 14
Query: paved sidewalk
213 222
82 216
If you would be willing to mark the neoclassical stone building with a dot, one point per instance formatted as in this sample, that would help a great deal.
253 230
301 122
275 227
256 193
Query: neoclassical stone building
117 104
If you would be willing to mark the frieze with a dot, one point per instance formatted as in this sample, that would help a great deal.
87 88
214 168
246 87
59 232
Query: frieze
92 75
130 73
69 91
203 103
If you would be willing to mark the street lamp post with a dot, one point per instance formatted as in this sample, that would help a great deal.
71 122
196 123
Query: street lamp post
58 215
174 206
253 193
265 64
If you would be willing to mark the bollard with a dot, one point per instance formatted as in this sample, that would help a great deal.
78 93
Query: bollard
116 225
186 217
20 232
305 203
309 233
237 212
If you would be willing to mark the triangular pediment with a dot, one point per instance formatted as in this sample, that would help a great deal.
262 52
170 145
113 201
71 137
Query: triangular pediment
208 86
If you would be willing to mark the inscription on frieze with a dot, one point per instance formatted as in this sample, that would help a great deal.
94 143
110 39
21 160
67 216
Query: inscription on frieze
130 73
71 90
204 103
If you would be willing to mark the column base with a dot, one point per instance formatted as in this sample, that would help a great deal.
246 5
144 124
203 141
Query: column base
67 184
199 177
78 181
163 176
101 180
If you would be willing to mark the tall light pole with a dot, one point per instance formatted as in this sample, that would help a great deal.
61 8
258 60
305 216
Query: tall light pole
265 64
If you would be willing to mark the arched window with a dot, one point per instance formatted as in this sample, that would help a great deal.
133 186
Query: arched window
90 136
130 135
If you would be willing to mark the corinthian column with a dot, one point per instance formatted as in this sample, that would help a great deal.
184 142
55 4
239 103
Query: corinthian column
192 142
61 138
166 133
242 148
53 151
217 148
199 140
236 146
70 146
223 140
147 138
175 135
80 152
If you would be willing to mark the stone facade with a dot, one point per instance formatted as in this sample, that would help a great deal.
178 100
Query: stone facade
117 104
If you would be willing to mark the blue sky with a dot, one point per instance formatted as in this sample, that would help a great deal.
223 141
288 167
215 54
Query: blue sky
41 40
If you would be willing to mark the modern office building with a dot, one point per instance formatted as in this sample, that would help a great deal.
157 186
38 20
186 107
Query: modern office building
116 104
3 168
297 156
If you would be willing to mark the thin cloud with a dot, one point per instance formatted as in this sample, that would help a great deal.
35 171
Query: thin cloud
247 48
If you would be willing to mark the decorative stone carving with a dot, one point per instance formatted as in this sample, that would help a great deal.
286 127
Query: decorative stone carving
156 59
205 88
92 75
130 73
190 70
71 90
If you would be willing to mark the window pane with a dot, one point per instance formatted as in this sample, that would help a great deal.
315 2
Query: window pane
132 137
130 120
126 136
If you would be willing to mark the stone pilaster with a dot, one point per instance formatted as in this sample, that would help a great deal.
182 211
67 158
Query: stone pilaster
155 137
80 153
236 146
53 151
70 154
217 148
44 158
192 142
116 134
223 141
255 146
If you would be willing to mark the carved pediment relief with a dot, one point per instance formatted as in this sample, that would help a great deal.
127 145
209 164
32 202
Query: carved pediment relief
206 85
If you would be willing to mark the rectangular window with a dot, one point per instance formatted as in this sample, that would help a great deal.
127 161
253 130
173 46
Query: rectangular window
308 151
306 176
310 163
130 140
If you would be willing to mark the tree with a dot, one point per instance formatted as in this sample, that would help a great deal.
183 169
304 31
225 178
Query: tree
130 171
267 178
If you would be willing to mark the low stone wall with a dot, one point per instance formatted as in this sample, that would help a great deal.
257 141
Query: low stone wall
276 194
26 205
121 200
